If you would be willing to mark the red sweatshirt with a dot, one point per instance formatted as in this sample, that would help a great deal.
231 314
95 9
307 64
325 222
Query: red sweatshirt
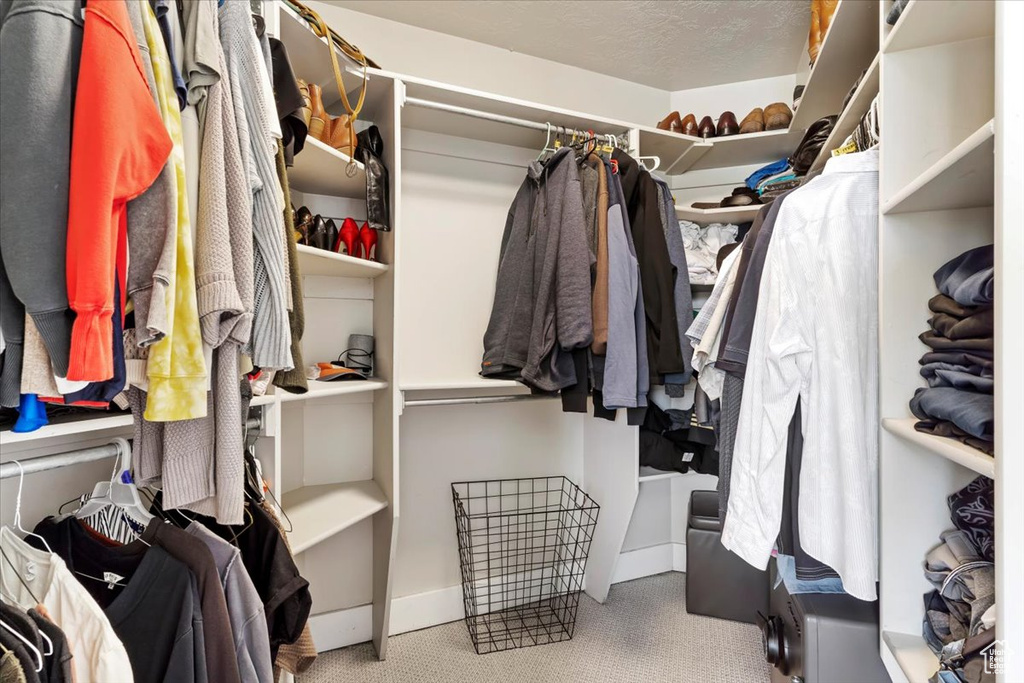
118 146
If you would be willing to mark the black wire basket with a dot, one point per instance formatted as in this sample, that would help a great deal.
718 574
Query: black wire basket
523 546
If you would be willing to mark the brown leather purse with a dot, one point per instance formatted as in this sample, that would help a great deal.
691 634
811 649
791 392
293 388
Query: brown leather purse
342 133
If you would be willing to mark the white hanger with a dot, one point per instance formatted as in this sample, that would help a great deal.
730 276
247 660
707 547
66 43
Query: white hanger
547 142
117 493
17 508
35 651
655 163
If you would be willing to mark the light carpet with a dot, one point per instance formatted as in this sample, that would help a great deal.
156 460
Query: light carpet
642 633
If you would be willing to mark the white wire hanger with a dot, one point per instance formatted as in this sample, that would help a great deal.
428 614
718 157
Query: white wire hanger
547 144
37 655
17 509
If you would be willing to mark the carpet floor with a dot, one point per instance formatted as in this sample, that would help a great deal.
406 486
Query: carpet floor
642 633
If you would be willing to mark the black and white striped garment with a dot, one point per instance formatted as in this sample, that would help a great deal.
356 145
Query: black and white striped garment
115 524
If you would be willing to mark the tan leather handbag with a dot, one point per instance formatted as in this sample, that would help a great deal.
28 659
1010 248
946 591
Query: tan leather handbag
342 134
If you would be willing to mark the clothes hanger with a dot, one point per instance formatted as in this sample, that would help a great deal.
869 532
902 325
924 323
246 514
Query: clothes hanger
654 161
119 492
32 648
17 509
547 141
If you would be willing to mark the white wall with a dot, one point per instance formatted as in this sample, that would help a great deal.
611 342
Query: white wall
739 98
428 54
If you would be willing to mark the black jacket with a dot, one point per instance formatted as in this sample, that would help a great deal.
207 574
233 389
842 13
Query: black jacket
657 274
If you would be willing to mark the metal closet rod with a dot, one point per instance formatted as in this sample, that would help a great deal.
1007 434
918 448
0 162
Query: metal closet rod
472 400
77 457
500 118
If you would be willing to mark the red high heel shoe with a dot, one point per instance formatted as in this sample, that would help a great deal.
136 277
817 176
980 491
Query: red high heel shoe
368 238
349 236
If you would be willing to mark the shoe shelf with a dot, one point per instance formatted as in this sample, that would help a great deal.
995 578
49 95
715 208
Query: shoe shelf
321 169
313 261
311 62
851 116
676 151
933 22
961 179
319 389
951 449
464 384
726 214
648 474
749 149
323 510
69 425
911 654
846 50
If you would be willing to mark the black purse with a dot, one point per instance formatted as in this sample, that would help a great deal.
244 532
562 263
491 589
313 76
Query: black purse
809 148
378 185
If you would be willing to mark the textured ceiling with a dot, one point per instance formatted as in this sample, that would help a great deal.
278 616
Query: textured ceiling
666 44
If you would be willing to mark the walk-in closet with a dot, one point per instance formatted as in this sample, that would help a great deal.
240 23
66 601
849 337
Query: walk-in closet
473 341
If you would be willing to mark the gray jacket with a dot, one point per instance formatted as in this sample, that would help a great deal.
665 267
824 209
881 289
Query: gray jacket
542 307
626 369
683 295
39 49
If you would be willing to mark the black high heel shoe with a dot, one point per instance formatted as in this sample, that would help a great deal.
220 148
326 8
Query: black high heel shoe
303 225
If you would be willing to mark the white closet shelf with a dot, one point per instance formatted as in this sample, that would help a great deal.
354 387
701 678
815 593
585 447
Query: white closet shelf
951 449
648 474
319 389
752 148
962 179
313 261
912 654
321 169
264 400
677 152
69 426
728 214
459 125
932 22
311 62
321 511
851 116
844 54
467 383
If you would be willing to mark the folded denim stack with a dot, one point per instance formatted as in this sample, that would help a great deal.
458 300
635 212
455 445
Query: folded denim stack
773 179
961 569
958 401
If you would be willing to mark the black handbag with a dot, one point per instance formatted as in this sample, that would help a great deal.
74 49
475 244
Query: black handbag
809 148
378 185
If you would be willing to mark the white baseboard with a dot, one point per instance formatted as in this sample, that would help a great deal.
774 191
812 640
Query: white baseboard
345 627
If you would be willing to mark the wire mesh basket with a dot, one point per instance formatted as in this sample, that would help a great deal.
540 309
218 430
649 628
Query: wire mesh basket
523 546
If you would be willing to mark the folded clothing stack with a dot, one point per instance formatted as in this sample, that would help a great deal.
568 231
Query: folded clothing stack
769 181
702 244
962 571
959 366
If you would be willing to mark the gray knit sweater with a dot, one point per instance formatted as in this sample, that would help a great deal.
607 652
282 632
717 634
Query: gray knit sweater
271 337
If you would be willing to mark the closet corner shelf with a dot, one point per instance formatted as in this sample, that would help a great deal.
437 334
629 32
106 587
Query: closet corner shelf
727 214
912 654
745 150
313 261
961 454
924 23
311 62
321 169
467 384
319 389
846 50
648 474
961 179
677 152
321 511
851 116
69 426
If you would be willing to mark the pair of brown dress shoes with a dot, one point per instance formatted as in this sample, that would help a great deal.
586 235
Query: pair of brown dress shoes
772 117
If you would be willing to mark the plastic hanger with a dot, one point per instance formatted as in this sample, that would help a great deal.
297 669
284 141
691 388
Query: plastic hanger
120 491
654 161
547 144
32 648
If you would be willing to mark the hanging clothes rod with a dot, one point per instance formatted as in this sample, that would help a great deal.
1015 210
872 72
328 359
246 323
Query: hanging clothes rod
472 400
77 457
500 118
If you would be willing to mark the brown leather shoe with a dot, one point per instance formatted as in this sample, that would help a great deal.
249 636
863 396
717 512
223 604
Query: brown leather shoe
727 124
828 10
671 123
777 115
689 125
816 33
318 115
706 129
753 122
339 135
306 111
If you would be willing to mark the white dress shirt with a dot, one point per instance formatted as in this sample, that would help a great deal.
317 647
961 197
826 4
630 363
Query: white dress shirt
815 339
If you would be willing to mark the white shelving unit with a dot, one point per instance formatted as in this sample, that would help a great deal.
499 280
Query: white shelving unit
924 23
323 510
752 148
961 454
727 214
320 169
852 114
313 261
649 474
